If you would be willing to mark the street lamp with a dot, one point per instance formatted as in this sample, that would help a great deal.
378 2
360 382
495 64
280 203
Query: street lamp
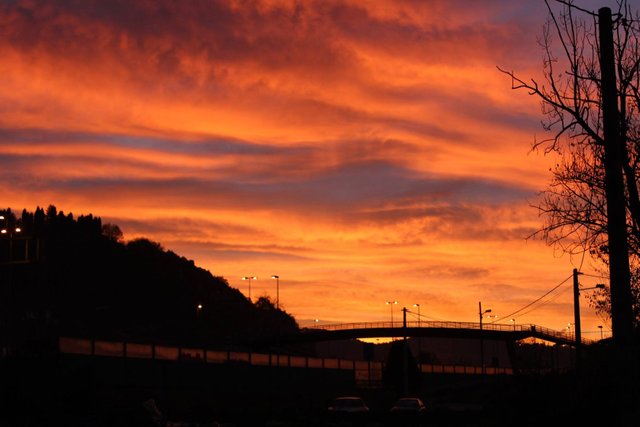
576 312
390 304
482 313
514 323
419 318
6 345
277 290
568 328
7 231
600 327
249 278
198 310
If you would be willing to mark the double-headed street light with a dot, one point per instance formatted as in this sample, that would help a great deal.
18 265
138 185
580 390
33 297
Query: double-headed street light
249 278
5 228
419 317
391 304
10 231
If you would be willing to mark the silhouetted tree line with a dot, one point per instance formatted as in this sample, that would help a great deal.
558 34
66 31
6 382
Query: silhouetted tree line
82 279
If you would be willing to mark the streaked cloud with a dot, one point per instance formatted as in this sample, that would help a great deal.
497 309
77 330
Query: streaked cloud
362 150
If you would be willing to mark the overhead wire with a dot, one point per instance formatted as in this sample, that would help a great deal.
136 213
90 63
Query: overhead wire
536 300
595 276
542 304
421 316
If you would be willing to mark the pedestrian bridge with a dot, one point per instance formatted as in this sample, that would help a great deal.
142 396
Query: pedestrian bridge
438 329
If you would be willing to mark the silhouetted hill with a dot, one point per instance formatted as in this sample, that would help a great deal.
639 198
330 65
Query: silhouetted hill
82 279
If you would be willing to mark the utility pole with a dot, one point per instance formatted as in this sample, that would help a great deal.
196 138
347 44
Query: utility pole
405 356
619 275
576 316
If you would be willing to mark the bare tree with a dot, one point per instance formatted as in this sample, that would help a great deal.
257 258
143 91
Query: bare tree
576 207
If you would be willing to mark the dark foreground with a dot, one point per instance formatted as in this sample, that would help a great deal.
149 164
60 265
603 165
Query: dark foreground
105 393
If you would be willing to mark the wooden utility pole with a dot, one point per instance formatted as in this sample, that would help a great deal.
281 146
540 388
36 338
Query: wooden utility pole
619 275
405 355
576 316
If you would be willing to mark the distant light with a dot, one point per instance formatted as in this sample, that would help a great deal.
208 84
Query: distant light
275 277
199 306
3 231
18 229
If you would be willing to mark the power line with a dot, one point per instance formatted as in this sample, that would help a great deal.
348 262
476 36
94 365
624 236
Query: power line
595 276
421 316
536 300
555 297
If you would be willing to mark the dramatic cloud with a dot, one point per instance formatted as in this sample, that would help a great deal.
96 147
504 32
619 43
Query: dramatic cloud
362 150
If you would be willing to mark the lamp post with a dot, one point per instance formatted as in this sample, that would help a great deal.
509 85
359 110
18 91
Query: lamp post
277 290
576 313
568 328
419 338
390 304
249 278
481 313
10 231
601 336
405 353
514 323
7 320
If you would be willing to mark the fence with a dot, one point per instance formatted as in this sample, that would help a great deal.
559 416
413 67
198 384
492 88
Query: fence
367 373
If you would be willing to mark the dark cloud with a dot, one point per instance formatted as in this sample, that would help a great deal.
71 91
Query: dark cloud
222 251
190 144
444 272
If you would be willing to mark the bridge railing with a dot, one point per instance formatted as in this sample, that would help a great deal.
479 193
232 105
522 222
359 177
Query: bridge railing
541 331
420 324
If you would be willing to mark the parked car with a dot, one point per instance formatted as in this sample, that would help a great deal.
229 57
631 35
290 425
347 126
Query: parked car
347 411
408 409
409 405
348 405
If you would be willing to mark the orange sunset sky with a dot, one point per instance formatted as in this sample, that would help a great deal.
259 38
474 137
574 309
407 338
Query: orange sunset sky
363 151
